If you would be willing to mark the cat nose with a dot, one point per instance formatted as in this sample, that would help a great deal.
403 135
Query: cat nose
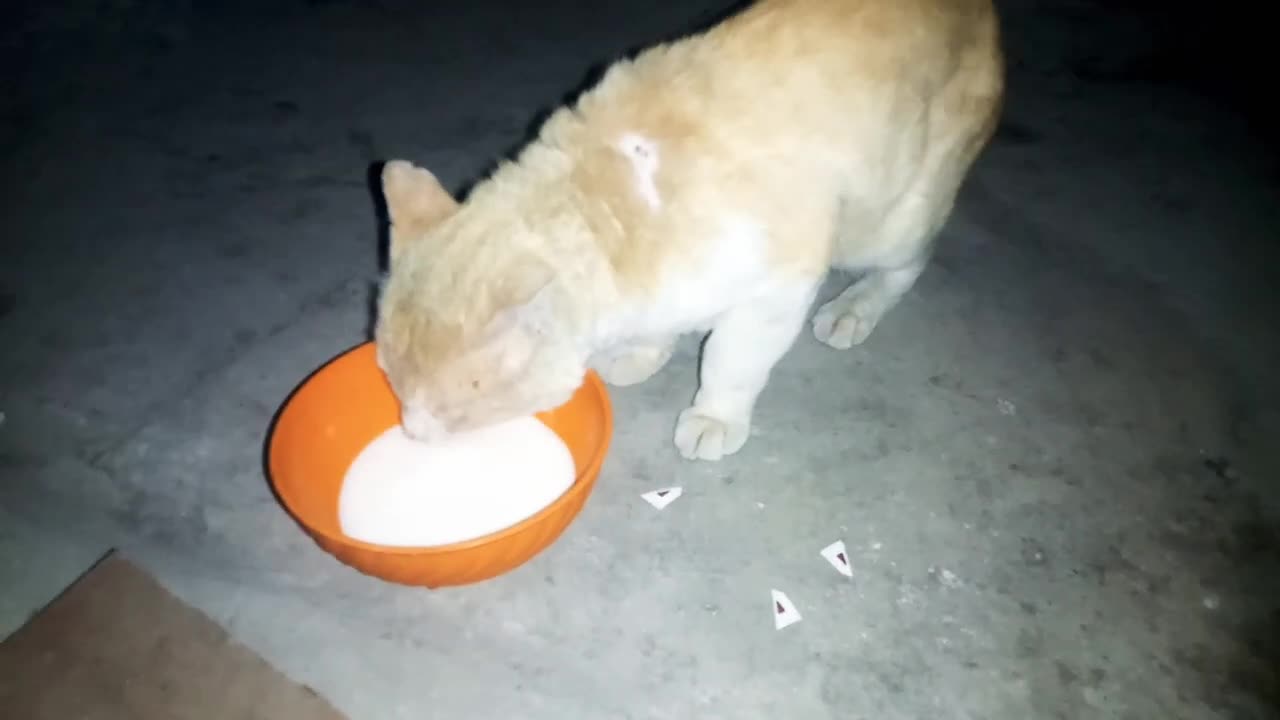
422 425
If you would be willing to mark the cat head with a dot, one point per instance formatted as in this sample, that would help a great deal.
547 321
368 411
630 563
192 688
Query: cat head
467 333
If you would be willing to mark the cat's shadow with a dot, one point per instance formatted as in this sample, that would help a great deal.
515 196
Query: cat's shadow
382 232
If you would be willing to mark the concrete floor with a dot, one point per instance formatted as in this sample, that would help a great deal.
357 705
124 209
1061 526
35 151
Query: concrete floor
1053 465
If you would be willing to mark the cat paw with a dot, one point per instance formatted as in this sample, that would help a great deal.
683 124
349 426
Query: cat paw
843 323
634 365
702 437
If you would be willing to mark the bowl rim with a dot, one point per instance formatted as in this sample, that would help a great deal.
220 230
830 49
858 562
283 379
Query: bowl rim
582 481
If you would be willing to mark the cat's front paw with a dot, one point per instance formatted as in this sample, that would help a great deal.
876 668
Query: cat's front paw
702 437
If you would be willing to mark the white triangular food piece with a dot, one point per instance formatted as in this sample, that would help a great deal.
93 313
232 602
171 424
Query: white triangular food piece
662 497
784 611
838 557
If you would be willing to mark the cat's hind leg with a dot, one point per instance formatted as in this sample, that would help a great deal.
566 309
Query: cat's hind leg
892 255
896 252
745 344
849 318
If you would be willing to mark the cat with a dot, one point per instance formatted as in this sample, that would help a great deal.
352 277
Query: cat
707 184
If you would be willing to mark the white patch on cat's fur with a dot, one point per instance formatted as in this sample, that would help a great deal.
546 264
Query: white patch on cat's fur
643 154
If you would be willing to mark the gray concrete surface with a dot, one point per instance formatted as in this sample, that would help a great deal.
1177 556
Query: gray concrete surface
1054 464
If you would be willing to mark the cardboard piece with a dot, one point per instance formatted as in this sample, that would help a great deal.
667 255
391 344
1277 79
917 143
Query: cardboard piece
785 612
836 554
662 497
118 645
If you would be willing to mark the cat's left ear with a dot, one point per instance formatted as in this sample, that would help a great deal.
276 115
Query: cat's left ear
514 331
416 202
534 316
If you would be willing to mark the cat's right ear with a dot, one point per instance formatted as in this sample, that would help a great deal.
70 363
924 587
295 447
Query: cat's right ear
416 202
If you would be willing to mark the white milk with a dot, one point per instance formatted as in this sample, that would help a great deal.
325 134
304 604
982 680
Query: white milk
399 491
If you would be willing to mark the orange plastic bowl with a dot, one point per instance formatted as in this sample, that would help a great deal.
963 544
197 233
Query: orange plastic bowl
347 403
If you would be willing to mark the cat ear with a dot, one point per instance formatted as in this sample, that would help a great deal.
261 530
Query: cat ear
416 202
535 316
512 334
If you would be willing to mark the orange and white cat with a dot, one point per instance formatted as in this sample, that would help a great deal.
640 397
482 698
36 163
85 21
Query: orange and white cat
707 184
